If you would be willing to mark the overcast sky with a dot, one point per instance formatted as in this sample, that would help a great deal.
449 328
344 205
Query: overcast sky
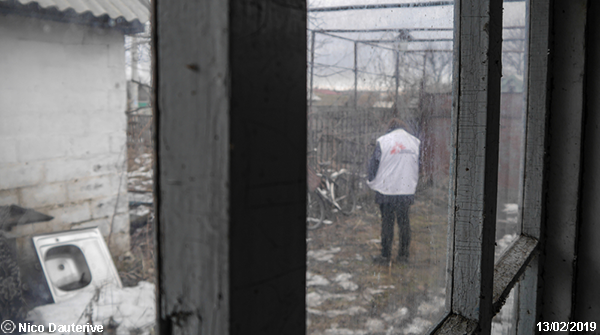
334 58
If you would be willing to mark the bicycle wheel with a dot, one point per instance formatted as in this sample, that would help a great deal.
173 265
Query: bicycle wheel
315 211
344 194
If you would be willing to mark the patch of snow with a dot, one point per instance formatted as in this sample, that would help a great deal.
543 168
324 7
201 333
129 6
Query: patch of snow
140 173
316 280
375 325
343 331
133 308
417 326
314 311
368 293
141 197
430 308
323 255
343 280
313 299
343 277
511 209
503 243
348 285
392 331
399 315
354 310
140 210
387 287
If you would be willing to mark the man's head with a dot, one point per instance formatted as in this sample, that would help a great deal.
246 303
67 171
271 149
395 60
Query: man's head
395 123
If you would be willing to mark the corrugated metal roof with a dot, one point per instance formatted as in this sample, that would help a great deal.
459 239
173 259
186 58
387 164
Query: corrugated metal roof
129 10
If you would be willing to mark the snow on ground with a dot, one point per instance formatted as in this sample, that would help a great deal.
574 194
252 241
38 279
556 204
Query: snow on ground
131 308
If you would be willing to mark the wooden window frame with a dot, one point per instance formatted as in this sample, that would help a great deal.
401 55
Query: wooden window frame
204 52
477 288
546 247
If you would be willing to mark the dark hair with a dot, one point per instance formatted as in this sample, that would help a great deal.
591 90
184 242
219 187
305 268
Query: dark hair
396 123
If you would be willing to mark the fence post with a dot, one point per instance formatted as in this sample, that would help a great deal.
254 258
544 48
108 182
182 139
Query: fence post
355 74
312 67
397 77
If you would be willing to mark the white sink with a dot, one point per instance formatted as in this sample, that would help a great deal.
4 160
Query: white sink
67 268
75 260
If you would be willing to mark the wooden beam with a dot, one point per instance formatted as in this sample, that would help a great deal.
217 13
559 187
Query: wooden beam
536 117
267 204
192 162
531 213
476 113
510 267
558 256
230 80
587 295
455 324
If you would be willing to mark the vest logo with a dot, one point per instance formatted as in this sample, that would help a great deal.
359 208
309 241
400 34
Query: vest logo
398 147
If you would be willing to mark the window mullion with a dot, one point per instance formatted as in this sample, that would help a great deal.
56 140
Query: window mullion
536 116
476 112
538 17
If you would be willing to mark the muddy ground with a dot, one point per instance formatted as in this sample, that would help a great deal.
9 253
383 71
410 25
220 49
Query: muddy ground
346 293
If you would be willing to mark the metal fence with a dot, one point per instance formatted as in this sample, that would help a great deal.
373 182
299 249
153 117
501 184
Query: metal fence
344 137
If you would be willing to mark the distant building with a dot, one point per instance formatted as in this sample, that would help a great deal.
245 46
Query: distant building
62 111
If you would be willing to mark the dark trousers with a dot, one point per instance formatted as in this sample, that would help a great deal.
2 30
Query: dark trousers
390 211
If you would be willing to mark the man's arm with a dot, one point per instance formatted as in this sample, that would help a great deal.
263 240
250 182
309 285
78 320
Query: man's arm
373 166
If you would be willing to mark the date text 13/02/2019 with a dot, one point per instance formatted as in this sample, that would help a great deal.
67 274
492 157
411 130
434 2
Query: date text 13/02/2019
566 326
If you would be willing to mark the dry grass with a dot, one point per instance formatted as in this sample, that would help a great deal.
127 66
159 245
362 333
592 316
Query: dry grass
139 263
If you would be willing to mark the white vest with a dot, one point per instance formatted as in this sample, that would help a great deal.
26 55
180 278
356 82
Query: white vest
398 171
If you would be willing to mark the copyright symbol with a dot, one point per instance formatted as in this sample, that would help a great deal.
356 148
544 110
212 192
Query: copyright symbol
8 327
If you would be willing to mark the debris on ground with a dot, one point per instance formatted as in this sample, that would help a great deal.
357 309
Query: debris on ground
131 308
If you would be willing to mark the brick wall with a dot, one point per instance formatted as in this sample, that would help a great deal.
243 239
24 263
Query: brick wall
62 125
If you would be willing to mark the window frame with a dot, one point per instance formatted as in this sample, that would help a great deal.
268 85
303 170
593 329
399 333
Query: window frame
471 310
181 65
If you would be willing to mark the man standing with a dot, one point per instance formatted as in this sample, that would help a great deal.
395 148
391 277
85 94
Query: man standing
393 175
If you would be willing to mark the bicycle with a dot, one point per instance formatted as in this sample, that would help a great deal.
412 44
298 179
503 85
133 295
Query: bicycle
334 189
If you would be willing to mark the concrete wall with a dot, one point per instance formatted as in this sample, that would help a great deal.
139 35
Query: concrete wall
62 125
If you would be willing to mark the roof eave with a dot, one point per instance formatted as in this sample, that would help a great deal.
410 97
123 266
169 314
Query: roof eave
33 10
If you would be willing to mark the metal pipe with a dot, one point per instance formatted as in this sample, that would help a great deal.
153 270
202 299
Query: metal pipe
383 30
390 5
382 6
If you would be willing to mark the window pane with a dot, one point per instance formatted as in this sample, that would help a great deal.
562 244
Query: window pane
512 124
76 165
505 321
367 66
